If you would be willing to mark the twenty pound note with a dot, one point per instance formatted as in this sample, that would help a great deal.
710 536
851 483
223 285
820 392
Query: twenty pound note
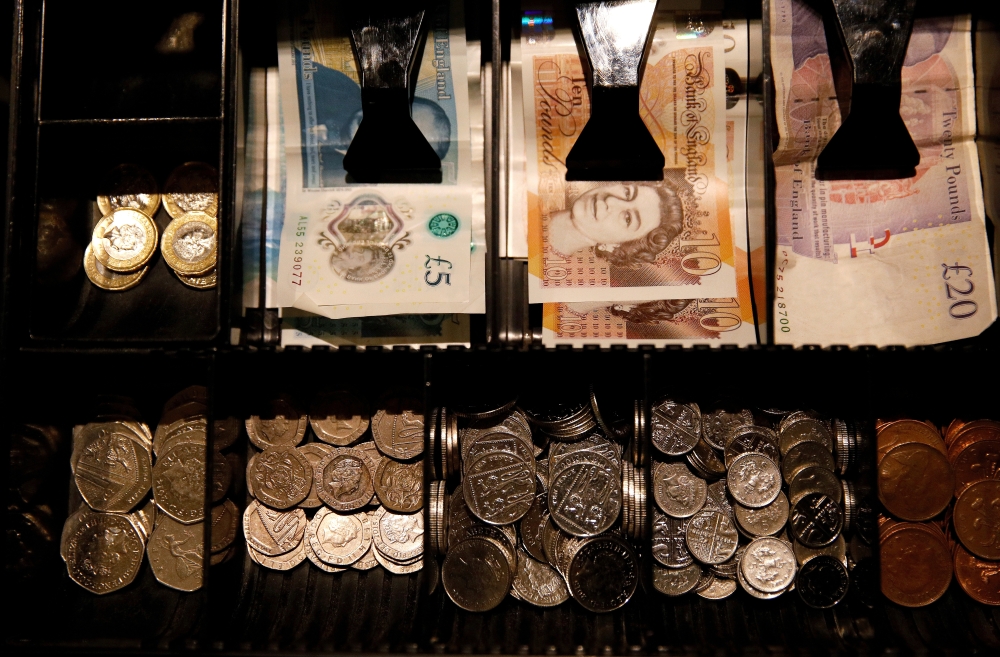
879 262
634 241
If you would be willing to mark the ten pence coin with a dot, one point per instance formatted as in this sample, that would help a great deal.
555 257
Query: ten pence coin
476 574
539 583
603 574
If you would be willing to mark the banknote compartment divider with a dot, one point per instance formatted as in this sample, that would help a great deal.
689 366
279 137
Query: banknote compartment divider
388 146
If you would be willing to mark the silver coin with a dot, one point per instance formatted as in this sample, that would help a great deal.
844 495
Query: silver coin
757 593
460 519
717 425
815 480
805 430
752 439
367 561
532 527
538 583
500 487
768 565
718 499
316 561
727 569
396 535
675 428
585 496
542 473
495 441
718 589
804 455
706 461
336 539
314 453
837 549
476 574
816 520
594 442
753 480
285 561
398 568
603 574
764 521
272 532
711 537
674 582
677 491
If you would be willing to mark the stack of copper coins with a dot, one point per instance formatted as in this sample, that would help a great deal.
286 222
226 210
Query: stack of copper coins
974 453
919 474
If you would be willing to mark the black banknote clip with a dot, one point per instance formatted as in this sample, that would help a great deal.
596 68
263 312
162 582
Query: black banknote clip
872 142
615 144
387 38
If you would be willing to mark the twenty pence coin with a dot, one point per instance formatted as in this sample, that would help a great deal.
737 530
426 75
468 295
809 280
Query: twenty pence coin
281 477
273 532
398 429
343 481
400 486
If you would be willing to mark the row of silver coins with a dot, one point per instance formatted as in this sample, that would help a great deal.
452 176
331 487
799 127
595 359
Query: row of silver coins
349 497
548 511
704 532
116 463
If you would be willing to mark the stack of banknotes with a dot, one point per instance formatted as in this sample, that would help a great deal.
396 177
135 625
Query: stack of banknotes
879 262
636 262
366 264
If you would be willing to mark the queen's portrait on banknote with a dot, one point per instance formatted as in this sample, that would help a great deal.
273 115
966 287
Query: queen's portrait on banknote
627 224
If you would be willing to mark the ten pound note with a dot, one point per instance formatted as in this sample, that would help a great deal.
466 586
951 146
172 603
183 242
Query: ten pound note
627 241
886 261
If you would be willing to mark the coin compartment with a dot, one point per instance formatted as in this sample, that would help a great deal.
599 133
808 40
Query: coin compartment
73 159
253 607
120 60
63 391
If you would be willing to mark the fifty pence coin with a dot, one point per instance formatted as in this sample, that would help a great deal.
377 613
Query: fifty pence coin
179 483
113 472
177 554
103 552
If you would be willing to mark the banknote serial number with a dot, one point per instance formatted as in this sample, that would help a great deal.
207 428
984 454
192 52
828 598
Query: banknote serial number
300 232
780 308
958 285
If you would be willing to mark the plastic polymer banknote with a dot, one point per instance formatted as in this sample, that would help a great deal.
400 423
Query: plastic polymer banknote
629 240
880 262
345 244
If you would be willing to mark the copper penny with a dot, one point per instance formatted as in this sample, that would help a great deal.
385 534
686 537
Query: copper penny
991 426
979 578
915 481
916 566
974 434
977 519
908 431
977 462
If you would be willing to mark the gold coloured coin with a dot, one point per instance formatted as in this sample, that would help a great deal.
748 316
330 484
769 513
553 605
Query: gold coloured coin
109 280
124 240
190 244
206 282
129 186
192 187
